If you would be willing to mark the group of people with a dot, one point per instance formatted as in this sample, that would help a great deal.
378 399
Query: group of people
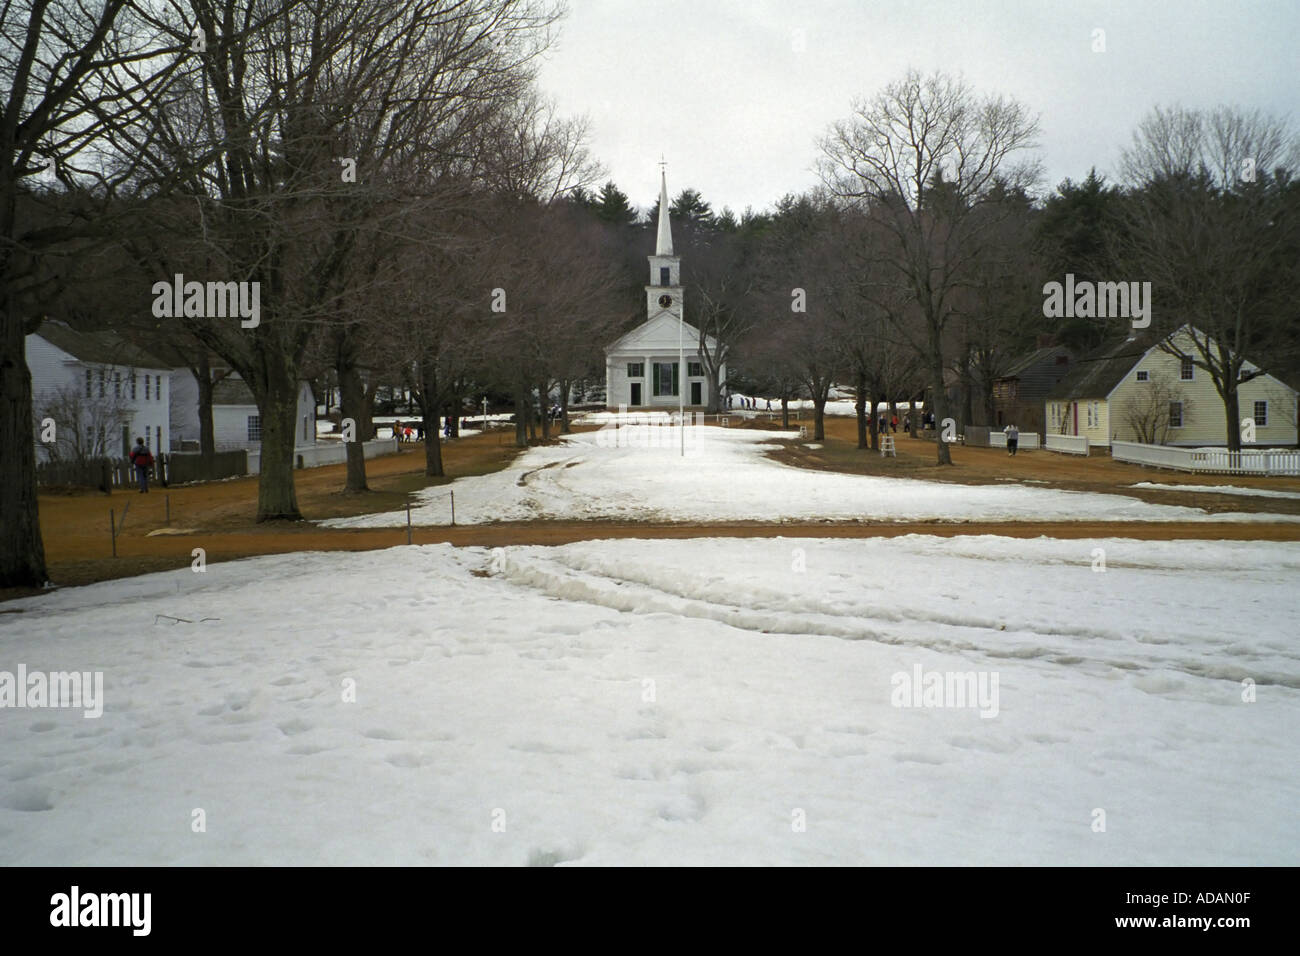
750 404
404 433
409 433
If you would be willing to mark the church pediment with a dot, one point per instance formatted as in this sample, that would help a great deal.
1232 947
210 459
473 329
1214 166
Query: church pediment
657 334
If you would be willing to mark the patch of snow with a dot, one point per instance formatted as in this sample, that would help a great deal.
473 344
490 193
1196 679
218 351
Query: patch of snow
668 703
637 473
1220 490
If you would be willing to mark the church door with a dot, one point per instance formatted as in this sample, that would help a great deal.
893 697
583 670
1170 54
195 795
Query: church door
636 394
696 393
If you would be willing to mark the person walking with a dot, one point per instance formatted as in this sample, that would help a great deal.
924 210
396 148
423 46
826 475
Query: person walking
142 458
397 430
1013 438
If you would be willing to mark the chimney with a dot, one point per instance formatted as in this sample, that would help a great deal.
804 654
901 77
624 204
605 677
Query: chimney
1045 340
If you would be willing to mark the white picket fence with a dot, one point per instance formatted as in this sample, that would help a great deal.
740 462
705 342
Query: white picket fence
1215 461
1068 444
1028 440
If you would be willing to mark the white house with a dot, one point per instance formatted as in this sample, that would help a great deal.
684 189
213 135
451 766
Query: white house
1135 390
236 421
643 368
101 379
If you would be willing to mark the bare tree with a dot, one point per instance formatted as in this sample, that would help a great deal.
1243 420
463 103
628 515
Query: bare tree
85 427
56 61
925 155
302 126
1211 223
1148 414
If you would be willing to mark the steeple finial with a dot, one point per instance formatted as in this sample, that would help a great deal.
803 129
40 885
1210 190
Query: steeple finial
664 243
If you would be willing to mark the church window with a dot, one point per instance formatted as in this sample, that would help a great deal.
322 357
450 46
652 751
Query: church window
635 369
695 369
664 276
665 378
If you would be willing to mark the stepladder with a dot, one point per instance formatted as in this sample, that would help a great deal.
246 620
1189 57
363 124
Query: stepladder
887 446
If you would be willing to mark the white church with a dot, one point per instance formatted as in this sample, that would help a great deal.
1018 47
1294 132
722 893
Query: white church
643 368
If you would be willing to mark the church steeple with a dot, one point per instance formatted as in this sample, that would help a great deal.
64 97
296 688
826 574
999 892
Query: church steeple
664 244
664 293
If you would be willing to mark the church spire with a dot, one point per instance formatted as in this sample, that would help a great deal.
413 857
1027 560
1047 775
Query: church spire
664 244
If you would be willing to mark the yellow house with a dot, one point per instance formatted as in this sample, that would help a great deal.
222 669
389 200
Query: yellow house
1135 390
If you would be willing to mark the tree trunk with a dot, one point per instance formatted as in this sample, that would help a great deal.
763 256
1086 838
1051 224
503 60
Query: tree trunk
521 417
366 424
352 404
564 406
939 407
785 409
207 432
545 410
860 406
1232 408
873 419
22 552
277 499
432 449
819 416
715 405
453 415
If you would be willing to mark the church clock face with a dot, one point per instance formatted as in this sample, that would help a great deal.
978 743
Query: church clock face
665 300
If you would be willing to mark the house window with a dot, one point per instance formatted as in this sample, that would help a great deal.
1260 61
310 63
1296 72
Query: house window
133 386
665 378
695 368
1088 413
635 369
254 427
146 388
89 378
1185 372
102 378
1175 414
117 384
1144 376
157 387
664 275
1261 413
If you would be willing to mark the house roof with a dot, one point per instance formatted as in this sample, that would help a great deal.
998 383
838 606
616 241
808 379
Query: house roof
1097 374
102 347
232 391
1033 358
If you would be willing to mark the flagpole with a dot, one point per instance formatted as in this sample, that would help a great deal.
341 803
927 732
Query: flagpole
681 376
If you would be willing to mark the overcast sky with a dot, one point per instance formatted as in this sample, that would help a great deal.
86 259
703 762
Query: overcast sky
734 93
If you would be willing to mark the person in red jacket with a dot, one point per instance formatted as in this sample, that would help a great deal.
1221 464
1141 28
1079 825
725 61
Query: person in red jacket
142 458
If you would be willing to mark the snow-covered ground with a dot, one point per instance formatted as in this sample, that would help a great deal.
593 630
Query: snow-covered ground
670 702
1221 490
639 473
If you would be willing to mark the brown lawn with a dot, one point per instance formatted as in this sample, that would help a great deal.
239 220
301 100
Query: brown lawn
218 516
